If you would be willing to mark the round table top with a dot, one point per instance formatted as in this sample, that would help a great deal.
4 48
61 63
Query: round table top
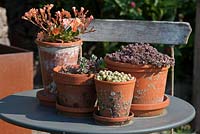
24 110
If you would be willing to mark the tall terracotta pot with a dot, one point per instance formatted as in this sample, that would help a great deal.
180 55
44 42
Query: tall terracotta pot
150 81
76 93
51 55
114 100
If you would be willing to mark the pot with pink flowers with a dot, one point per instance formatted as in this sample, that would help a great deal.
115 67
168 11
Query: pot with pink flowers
58 43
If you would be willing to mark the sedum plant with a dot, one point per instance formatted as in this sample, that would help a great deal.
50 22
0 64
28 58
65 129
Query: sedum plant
141 54
61 27
86 66
106 75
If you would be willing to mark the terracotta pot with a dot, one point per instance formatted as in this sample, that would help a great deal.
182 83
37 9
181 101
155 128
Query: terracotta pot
112 121
53 54
75 91
150 84
114 98
146 110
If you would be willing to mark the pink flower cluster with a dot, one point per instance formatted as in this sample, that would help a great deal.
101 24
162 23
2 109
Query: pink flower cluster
133 4
61 27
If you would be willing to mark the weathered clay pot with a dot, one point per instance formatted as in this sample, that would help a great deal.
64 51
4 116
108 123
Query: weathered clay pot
114 98
150 84
51 55
76 92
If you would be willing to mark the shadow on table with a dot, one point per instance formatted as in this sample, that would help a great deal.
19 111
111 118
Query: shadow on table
28 107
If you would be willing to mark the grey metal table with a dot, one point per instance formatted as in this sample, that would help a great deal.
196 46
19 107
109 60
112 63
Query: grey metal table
23 109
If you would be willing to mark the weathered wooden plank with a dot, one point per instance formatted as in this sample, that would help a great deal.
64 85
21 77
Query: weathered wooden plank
196 71
139 31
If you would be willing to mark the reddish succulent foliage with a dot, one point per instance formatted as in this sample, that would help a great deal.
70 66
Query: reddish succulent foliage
61 27
141 54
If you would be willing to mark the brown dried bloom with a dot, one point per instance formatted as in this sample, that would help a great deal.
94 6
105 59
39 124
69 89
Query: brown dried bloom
60 27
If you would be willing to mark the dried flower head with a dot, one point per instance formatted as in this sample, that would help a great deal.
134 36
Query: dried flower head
61 27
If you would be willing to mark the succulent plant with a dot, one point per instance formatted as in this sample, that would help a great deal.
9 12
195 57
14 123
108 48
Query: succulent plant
141 54
86 66
61 26
106 75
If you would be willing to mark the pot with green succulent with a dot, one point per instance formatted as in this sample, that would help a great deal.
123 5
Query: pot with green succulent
76 93
58 42
114 95
150 68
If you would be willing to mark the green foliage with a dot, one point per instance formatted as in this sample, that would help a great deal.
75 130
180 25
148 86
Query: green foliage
143 9
185 129
86 66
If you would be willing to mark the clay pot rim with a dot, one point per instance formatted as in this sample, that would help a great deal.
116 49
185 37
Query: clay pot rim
111 119
116 83
131 66
73 110
155 106
57 69
54 44
46 98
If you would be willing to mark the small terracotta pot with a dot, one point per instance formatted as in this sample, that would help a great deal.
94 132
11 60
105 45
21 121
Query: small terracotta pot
114 98
75 90
51 55
150 84
146 110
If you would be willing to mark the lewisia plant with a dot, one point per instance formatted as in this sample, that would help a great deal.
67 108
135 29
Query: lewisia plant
61 27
